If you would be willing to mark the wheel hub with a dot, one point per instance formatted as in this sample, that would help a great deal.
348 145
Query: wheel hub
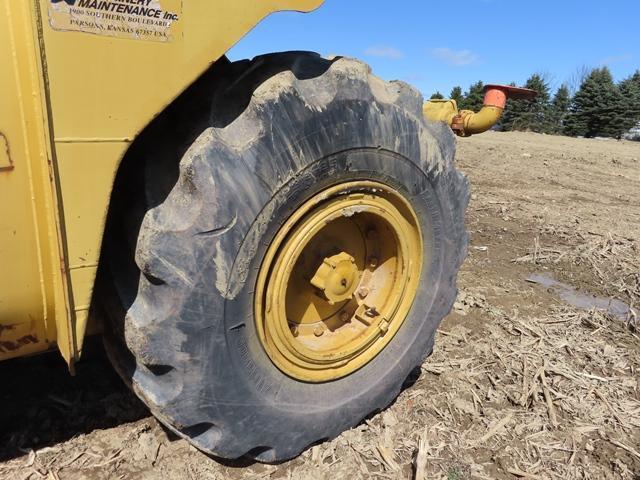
338 280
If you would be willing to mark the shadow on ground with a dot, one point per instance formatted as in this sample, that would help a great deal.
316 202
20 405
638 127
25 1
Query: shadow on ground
41 404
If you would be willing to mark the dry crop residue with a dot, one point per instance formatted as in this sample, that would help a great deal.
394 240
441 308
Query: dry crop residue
520 385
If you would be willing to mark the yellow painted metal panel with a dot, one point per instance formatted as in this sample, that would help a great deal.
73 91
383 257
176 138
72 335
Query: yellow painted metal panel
73 96
85 186
32 286
86 177
104 90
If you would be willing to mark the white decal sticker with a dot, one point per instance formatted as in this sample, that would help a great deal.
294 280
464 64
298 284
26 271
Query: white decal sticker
155 20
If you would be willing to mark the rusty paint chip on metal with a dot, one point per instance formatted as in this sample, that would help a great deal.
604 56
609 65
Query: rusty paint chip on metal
151 20
6 164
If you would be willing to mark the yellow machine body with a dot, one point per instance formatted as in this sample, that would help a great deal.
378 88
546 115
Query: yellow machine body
80 79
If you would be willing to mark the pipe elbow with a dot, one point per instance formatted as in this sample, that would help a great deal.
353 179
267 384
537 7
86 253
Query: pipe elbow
472 123
466 122
487 117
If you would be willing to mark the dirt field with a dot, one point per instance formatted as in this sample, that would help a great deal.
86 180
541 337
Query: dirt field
521 384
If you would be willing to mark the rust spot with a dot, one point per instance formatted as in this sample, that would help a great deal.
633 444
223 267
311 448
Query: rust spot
21 342
6 164
10 326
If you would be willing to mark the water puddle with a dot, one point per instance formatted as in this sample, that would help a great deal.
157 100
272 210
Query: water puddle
570 295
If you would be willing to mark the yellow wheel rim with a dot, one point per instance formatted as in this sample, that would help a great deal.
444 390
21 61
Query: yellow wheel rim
338 280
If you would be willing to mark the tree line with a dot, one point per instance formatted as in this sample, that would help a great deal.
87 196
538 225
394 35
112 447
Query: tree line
599 108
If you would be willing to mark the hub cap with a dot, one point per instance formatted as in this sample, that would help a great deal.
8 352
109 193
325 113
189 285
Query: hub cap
338 281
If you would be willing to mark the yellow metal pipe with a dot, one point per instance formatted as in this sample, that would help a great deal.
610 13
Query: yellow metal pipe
479 122
438 110
466 122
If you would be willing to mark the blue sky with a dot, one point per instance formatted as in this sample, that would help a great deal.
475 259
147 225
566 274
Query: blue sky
436 44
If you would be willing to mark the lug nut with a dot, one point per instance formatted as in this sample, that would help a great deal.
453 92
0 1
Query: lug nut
373 262
318 331
363 292
294 331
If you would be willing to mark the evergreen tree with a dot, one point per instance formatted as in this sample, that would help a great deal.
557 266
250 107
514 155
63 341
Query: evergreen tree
456 94
630 92
559 109
530 115
598 108
511 111
437 96
473 98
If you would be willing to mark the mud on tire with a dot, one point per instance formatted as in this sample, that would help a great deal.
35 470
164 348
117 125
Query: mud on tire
281 129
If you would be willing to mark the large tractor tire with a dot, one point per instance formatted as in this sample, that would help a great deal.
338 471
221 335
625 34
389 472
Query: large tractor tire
296 272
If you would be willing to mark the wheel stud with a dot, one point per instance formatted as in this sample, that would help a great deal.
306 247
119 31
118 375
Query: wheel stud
344 316
373 262
319 331
294 331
